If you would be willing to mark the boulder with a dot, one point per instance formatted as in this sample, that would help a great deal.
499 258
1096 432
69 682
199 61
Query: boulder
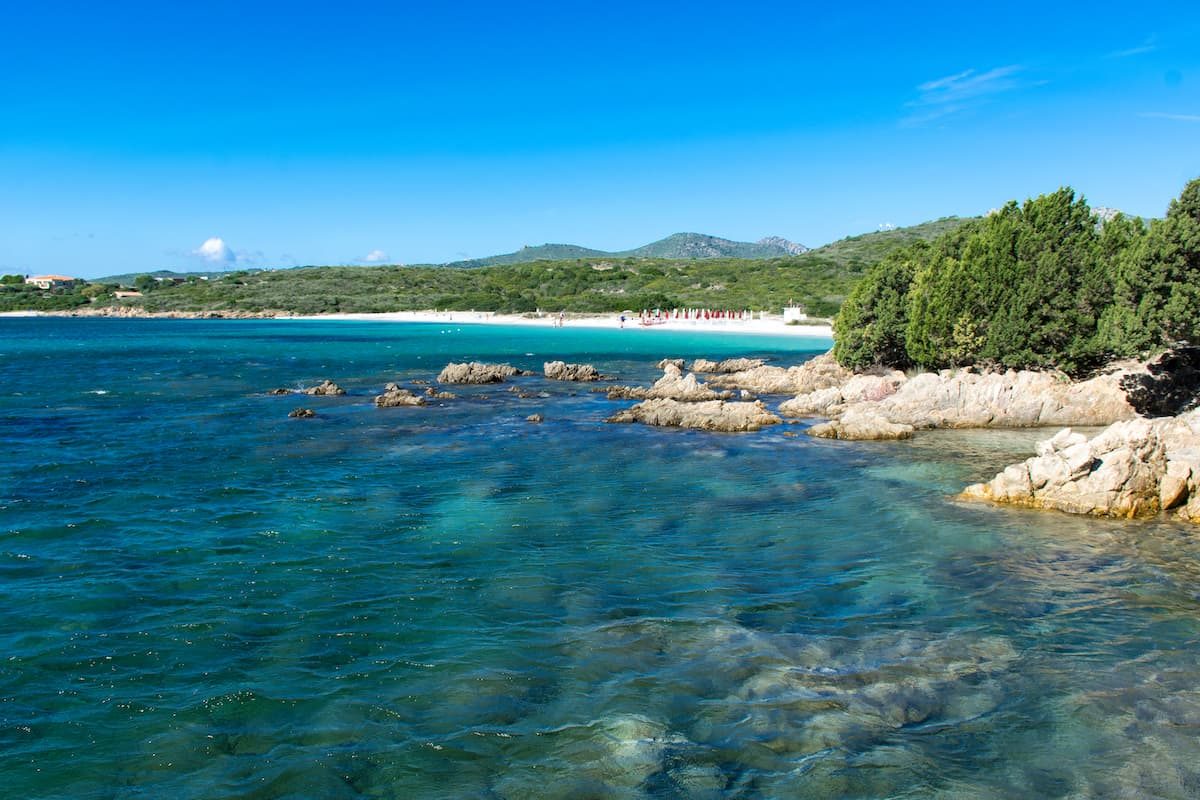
861 425
394 397
678 362
673 385
729 365
712 415
820 372
301 413
1012 399
561 371
476 372
280 391
535 418
324 388
858 389
968 399
436 395
1134 468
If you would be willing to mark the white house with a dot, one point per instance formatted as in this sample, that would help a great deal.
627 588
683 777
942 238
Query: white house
52 281
794 314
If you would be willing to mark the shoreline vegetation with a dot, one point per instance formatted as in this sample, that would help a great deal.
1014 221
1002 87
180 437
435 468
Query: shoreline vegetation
817 280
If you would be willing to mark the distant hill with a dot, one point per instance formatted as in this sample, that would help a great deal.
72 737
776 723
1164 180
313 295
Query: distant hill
542 252
867 248
684 246
699 245
127 278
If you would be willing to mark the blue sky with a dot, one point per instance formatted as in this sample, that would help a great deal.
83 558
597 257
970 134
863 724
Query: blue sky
132 134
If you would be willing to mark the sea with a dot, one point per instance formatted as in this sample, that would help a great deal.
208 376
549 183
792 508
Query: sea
201 597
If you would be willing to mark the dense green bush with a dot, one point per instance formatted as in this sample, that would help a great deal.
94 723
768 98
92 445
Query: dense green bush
1038 285
1157 283
870 328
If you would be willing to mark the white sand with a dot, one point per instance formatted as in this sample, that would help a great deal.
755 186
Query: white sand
772 325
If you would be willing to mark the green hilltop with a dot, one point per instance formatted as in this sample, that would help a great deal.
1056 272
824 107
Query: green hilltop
682 246
819 279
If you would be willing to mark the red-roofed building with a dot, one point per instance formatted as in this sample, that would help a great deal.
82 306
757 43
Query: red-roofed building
52 281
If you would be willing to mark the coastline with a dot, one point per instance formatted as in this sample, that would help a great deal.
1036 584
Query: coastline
770 326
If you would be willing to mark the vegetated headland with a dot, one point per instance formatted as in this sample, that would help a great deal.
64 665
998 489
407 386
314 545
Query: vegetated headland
818 280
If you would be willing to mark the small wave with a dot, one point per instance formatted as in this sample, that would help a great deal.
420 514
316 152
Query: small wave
96 391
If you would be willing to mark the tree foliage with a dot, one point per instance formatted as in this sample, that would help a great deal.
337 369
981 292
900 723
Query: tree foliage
1037 285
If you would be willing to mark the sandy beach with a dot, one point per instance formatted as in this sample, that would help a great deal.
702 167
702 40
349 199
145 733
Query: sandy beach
770 325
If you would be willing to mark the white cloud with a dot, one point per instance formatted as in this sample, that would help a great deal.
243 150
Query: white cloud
1147 46
214 250
375 256
954 93
1175 117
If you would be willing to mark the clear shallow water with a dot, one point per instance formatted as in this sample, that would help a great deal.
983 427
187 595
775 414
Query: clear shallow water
203 598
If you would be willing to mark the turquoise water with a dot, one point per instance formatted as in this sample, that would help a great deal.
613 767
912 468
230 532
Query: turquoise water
202 598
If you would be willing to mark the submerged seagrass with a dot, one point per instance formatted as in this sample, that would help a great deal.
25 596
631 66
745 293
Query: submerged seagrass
205 598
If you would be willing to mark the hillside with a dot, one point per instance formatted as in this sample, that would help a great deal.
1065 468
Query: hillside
675 246
819 279
127 278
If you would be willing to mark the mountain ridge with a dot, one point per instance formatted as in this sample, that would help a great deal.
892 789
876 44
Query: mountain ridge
679 246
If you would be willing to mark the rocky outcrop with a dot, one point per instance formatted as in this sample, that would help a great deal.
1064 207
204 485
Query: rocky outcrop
1134 468
1170 384
678 362
562 371
476 372
1025 399
967 399
535 418
325 388
279 391
673 385
861 425
436 395
817 373
858 389
728 366
395 397
712 415
301 413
